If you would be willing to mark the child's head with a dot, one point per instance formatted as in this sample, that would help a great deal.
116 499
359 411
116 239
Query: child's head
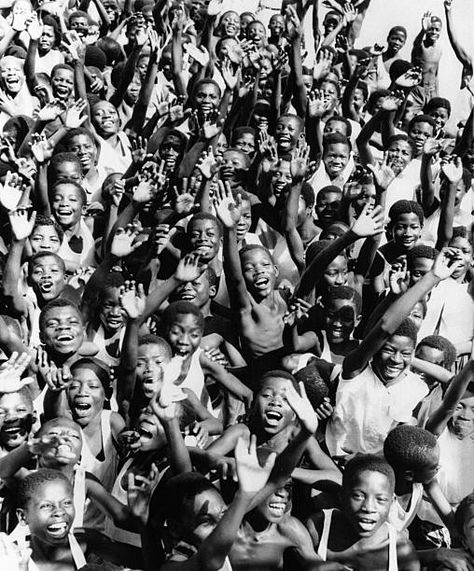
438 350
316 389
406 223
275 506
330 91
65 443
276 25
259 270
81 143
328 201
368 486
45 504
336 154
462 188
397 352
335 274
172 148
234 166
418 313
342 309
305 204
413 453
287 132
105 119
183 324
16 418
400 151
464 520
229 24
439 109
206 96
462 421
61 327
420 260
245 220
65 167
68 200
193 507
338 124
89 389
397 36
153 351
243 138
111 313
47 276
421 128
46 235
62 81
79 22
434 29
461 243
281 177
200 291
271 411
204 234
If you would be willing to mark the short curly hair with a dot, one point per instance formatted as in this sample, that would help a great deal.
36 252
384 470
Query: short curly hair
462 512
405 207
407 447
367 463
29 485
442 344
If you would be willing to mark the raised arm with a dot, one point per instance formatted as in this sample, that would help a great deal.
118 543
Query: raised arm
461 53
453 172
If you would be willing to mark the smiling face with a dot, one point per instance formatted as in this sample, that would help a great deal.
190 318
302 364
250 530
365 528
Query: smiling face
434 30
393 358
341 319
149 371
16 418
335 158
327 207
111 313
257 33
65 444
67 204
441 116
399 153
12 75
233 166
204 238
419 132
47 40
105 119
246 143
86 396
171 151
259 271
45 239
50 512
367 502
276 25
396 41
152 433
245 220
462 421
277 505
271 406
184 335
84 147
207 97
63 331
230 24
47 278
281 178
464 251
287 133
406 230
197 292
336 273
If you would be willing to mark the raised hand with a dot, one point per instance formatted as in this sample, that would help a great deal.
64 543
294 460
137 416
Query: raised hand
370 222
207 163
446 263
34 27
41 148
448 4
56 378
125 241
431 147
227 209
215 355
383 174
11 371
316 104
139 491
132 299
252 477
453 169
117 192
268 149
392 102
11 191
145 191
299 161
74 46
426 21
21 224
74 117
302 407
350 13
139 146
162 237
399 277
322 67
184 201
189 268
51 111
410 78
230 77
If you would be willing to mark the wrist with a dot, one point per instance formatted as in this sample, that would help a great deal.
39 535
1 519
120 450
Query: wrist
245 496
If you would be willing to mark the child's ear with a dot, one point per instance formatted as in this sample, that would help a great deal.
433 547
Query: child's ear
212 291
408 475
277 270
357 320
20 514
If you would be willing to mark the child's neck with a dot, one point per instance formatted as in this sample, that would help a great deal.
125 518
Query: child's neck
403 486
206 308
257 522
73 230
307 231
48 554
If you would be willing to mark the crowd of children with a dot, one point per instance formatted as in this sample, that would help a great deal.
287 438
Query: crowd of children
236 295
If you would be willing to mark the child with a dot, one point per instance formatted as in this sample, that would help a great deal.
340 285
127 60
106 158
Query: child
326 209
360 534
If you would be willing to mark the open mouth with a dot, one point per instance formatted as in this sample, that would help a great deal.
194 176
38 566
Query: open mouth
59 529
366 524
284 141
82 408
187 296
273 417
63 91
65 338
277 508
393 371
65 451
144 433
262 283
46 287
12 431
114 321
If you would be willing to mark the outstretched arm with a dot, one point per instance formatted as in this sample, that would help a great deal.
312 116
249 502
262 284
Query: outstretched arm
461 54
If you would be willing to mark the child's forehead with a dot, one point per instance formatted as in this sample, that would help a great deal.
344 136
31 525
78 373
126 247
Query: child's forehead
407 217
372 478
185 319
274 383
151 349
289 121
52 488
63 312
203 223
400 342
45 261
12 399
45 229
67 189
255 254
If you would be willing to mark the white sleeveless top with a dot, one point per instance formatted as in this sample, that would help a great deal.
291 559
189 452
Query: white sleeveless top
401 519
392 541
84 258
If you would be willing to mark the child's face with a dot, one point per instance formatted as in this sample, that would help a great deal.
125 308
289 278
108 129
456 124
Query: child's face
329 93
44 239
335 126
430 468
80 24
462 421
464 251
105 119
66 444
201 516
67 205
207 97
149 371
16 418
246 143
275 507
152 434
111 313
399 154
271 406
367 502
327 206
336 273
281 178
86 151
47 39
86 396
171 149
67 171
230 24
50 513
416 315
233 166
276 25
341 319
393 358
396 41
256 32
204 238
245 220
440 115
287 133
420 132
12 75
407 230
63 331
47 278
133 90
358 99
197 292
434 30
336 157
420 267
366 196
259 271
185 334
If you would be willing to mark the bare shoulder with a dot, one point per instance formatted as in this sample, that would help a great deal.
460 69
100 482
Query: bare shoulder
293 530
